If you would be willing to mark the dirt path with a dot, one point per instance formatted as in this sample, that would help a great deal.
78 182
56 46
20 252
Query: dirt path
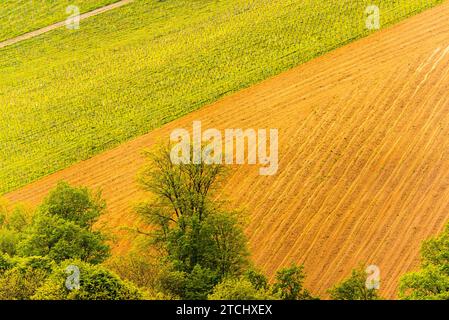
57 25
364 157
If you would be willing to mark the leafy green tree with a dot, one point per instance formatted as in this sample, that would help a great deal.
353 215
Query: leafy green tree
35 253
435 251
95 283
199 283
18 220
227 252
180 205
78 205
197 236
9 239
289 284
12 224
252 285
432 281
61 227
21 277
354 288
60 239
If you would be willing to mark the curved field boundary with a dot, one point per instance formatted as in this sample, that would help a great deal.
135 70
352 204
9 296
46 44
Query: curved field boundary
60 24
364 158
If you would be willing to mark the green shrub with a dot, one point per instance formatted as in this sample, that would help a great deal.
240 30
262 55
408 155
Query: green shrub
60 239
95 283
354 288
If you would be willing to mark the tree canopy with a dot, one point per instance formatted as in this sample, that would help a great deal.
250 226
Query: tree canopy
432 281
37 249
354 288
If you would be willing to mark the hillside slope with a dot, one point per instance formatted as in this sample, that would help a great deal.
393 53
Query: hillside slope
68 95
364 157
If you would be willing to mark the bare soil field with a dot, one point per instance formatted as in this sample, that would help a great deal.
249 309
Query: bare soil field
363 161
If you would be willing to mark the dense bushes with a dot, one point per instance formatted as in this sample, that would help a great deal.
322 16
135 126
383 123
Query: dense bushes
35 253
239 289
95 283
61 239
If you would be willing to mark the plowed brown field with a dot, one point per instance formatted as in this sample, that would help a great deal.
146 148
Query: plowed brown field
364 157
